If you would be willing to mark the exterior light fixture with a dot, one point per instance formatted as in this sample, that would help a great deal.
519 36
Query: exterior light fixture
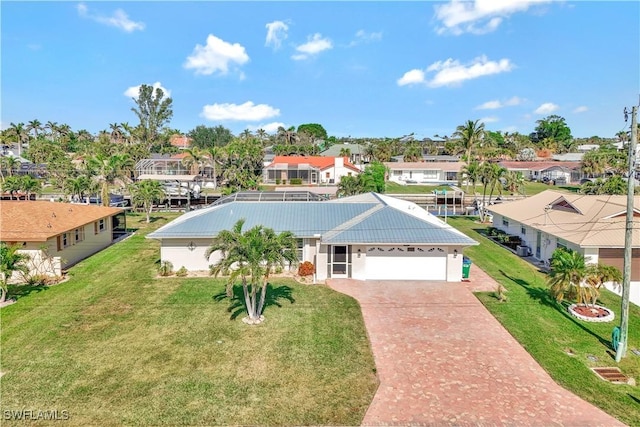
359 253
455 253
191 246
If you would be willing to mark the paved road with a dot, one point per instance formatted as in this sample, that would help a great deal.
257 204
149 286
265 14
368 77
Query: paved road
443 359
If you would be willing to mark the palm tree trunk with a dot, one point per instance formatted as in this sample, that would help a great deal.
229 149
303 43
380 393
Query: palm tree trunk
263 294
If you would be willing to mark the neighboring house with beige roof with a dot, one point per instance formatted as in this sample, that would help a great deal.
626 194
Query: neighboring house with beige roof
424 172
593 225
58 235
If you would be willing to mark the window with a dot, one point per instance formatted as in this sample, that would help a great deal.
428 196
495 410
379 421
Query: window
397 173
327 175
79 234
561 244
430 174
300 249
99 226
505 222
523 231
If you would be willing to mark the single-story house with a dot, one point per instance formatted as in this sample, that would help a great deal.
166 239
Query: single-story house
591 225
366 237
424 172
309 169
566 172
58 235
180 141
357 153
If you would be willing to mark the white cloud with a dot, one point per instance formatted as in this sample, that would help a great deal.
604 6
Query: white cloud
119 19
270 128
216 56
546 108
495 104
411 77
581 109
314 45
479 16
451 72
276 33
134 91
490 119
244 112
363 37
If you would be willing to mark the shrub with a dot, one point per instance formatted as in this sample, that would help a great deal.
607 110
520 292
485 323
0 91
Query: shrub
306 269
166 268
182 272
277 181
295 181
43 280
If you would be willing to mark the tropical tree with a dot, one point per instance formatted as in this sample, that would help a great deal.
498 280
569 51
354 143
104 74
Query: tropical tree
249 257
30 185
469 135
10 164
10 261
145 193
106 170
154 112
412 152
11 185
314 130
348 186
194 160
19 134
471 174
598 275
243 164
553 127
35 126
514 182
378 172
567 276
206 137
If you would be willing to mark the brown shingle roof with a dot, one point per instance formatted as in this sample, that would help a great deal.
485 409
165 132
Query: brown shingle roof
37 221
586 220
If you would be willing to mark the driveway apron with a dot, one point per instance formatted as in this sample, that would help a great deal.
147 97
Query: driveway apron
443 359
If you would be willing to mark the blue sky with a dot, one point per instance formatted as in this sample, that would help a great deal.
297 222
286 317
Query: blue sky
361 69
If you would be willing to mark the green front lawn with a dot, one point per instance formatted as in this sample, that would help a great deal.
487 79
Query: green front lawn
395 188
548 332
116 345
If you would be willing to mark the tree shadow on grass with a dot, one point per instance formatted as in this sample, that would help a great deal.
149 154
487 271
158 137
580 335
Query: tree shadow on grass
19 291
543 296
237 305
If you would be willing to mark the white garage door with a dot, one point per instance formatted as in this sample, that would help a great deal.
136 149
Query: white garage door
406 263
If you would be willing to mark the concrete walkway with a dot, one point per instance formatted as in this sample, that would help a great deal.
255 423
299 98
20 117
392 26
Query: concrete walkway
443 359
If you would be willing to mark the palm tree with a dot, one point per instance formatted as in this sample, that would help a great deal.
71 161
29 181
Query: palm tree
471 174
79 186
144 194
514 182
598 275
10 261
412 152
262 135
194 160
250 256
348 186
116 132
568 272
106 170
11 185
10 163
470 135
18 134
215 155
53 129
35 126
30 185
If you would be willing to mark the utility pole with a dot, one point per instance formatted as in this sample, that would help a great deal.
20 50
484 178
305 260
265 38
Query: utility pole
628 237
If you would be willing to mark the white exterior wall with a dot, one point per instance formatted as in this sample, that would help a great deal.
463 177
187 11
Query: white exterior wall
336 172
401 175
321 263
359 262
454 264
177 252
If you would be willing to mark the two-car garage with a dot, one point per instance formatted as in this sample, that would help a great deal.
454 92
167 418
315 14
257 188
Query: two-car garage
406 263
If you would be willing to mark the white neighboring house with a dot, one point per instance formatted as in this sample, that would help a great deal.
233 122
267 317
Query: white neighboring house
591 225
309 169
424 172
58 235
365 237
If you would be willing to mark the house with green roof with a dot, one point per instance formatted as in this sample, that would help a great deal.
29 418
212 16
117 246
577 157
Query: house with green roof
367 237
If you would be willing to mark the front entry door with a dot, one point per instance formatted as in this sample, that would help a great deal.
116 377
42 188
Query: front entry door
340 260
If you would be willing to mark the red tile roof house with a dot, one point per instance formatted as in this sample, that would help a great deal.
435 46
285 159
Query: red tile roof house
310 169
180 141
58 235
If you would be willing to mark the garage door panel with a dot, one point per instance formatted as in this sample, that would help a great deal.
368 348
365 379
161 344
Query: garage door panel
397 263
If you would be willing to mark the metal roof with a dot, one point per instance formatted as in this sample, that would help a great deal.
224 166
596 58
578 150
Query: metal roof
365 218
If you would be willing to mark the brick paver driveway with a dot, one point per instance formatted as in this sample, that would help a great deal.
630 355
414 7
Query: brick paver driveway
443 359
